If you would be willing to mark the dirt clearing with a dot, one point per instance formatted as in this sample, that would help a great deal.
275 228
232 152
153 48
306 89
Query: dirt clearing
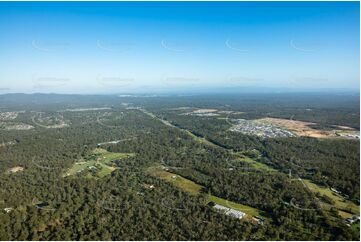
300 128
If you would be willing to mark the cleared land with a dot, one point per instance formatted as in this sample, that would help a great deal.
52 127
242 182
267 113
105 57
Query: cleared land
86 109
352 134
195 189
49 122
181 182
196 138
4 116
240 207
209 112
15 169
300 128
15 126
98 165
346 208
278 127
255 164
203 112
199 139
260 128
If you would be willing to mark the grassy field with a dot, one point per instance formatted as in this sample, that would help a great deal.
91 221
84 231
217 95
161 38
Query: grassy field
344 214
101 159
195 189
256 165
183 183
346 208
340 203
199 139
195 137
106 156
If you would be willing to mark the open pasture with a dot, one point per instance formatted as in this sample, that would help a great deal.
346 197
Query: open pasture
97 165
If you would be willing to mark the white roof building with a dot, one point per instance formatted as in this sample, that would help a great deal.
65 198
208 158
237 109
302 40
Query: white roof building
229 211
335 190
8 210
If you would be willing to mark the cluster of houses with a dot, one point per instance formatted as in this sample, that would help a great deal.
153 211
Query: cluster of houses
252 127
9 115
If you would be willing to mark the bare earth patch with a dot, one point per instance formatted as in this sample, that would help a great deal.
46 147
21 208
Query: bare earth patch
202 112
300 128
180 108
15 169
344 127
205 111
86 109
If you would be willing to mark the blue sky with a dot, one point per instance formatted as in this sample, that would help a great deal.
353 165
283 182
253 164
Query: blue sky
79 47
